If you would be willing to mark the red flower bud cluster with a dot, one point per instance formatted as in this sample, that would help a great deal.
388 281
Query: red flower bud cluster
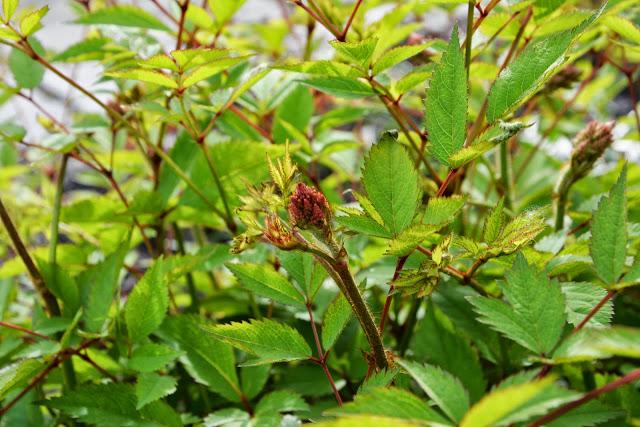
590 144
277 234
309 208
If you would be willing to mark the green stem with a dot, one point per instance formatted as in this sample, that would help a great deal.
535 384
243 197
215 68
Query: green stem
189 277
561 195
505 174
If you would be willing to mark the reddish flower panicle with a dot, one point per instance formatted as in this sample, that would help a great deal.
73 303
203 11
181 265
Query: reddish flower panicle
309 208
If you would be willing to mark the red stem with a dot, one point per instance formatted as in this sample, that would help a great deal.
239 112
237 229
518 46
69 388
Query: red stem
387 303
25 330
630 377
343 35
322 360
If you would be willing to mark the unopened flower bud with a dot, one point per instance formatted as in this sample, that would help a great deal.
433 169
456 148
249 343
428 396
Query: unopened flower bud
276 233
309 208
589 145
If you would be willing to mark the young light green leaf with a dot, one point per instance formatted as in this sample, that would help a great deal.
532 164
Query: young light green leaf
609 233
145 75
265 281
442 387
390 402
223 10
446 103
335 319
30 23
268 340
207 70
535 318
581 298
98 284
342 87
443 210
392 184
410 238
494 222
359 53
530 70
396 55
147 304
123 16
152 357
151 387
494 407
9 8
623 26
208 360
18 374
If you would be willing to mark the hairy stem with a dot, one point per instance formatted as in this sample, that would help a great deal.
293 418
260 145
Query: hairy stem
322 359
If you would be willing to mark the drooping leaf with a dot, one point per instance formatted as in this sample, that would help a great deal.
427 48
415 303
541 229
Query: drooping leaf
335 319
124 16
97 288
495 406
446 103
530 70
151 387
390 402
391 182
438 342
609 233
535 316
442 387
265 281
208 360
268 340
147 304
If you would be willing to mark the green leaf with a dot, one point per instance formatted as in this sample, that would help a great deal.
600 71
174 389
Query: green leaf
145 75
223 10
581 298
18 374
519 232
369 420
97 288
207 70
104 405
442 387
438 342
335 319
494 407
363 224
446 103
587 415
27 72
530 70
535 317
359 53
9 8
86 50
601 343
494 223
304 270
296 109
30 23
609 233
396 55
152 357
151 387
253 379
389 402
123 16
342 87
208 360
410 238
443 210
623 26
147 304
281 401
391 182
268 340
265 281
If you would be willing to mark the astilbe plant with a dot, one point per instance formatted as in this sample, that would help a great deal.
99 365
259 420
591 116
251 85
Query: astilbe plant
320 211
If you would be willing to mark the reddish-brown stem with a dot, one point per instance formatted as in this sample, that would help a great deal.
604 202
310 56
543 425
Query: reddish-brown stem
24 330
322 359
164 11
443 187
235 110
633 97
322 20
40 108
343 35
454 272
183 11
387 303
594 310
630 377
97 367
